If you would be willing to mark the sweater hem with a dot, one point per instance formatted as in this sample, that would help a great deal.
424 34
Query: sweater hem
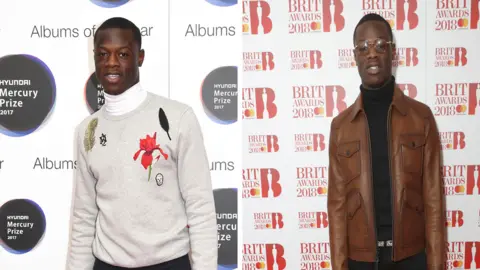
149 262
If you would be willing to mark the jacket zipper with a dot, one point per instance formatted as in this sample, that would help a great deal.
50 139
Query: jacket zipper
377 259
392 197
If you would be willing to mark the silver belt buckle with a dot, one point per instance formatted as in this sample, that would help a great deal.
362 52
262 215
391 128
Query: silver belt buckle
388 243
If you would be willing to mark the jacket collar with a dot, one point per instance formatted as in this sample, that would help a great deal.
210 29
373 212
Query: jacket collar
398 102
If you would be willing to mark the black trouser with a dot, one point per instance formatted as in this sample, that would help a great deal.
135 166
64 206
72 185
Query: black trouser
182 263
415 262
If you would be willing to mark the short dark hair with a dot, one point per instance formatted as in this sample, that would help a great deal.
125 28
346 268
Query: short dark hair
121 23
373 17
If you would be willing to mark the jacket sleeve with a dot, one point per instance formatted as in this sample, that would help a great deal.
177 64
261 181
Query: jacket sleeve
196 188
336 208
433 198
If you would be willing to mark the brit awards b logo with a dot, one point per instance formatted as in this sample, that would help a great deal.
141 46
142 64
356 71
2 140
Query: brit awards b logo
256 17
261 183
258 103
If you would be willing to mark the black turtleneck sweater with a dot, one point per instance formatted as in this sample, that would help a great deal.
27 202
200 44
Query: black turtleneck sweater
376 103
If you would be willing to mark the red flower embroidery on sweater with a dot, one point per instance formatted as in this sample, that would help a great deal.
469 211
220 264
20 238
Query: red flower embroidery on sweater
148 147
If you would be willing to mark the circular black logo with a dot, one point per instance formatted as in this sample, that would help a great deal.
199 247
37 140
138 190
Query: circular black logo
220 95
22 225
94 94
109 3
27 94
223 3
227 220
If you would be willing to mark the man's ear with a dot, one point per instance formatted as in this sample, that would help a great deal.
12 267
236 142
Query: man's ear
141 57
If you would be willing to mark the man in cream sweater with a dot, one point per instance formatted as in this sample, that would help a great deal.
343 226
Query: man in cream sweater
143 193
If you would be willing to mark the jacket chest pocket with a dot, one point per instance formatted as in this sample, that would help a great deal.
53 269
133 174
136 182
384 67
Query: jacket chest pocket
348 155
412 152
357 223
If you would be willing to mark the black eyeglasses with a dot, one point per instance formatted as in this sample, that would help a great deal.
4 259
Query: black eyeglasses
380 45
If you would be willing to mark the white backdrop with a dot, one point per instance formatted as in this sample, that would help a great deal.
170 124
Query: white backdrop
285 211
175 66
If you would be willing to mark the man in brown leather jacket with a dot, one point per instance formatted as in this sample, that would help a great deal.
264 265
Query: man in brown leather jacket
385 192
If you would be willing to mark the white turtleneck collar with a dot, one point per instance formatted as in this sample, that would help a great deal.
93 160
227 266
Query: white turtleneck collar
126 101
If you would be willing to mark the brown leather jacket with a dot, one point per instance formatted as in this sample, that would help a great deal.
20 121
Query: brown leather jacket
417 190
